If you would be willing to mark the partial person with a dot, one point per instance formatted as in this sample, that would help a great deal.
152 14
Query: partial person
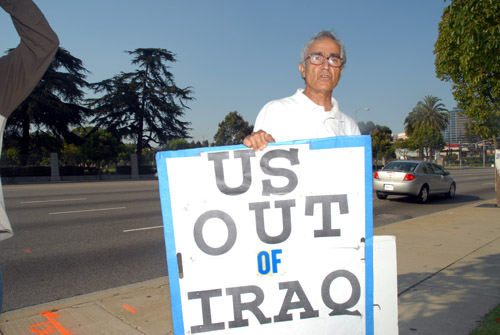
311 112
20 71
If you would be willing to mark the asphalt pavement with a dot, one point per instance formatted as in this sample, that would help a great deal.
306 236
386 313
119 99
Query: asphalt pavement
448 265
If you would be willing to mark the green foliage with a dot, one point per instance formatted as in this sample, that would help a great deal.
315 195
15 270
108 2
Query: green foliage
10 156
382 147
424 125
182 143
146 105
71 155
490 325
100 147
428 139
178 144
53 106
429 113
232 130
467 54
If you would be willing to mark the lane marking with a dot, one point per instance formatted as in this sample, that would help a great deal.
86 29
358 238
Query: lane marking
88 210
60 200
139 229
129 309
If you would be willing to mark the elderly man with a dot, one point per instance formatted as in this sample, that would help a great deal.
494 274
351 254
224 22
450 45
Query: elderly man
311 112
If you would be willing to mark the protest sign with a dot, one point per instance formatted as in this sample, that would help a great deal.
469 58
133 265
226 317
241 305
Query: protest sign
276 241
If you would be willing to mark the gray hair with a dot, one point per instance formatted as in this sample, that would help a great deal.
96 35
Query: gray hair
322 34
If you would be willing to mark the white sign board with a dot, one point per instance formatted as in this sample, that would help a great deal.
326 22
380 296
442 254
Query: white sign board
271 242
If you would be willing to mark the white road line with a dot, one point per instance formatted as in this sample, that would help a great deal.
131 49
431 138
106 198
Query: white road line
88 210
60 200
139 229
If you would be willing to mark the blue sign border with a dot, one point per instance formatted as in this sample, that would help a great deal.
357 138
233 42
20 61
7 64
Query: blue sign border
314 144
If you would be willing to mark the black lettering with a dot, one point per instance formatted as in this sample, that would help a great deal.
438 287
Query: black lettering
198 232
285 206
292 288
207 325
252 306
293 157
246 170
326 201
341 309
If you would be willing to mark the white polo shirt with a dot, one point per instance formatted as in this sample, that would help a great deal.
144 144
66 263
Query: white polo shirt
297 117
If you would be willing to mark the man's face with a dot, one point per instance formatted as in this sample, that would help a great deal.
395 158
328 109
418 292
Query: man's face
321 78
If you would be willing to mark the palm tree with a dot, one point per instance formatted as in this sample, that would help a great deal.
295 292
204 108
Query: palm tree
144 105
52 107
429 114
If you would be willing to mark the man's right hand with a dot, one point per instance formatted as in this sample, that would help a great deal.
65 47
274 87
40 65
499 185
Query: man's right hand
258 140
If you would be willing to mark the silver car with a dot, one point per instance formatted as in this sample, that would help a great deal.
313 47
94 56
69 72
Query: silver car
415 178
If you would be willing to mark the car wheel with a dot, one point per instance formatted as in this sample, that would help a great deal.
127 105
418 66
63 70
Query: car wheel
381 196
452 191
423 195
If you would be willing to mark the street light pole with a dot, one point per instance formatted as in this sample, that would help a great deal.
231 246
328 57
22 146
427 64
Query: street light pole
356 112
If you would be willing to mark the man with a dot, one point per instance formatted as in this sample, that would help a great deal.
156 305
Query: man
20 72
311 112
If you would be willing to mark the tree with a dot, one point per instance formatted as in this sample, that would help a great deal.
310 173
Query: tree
428 115
366 128
467 54
53 106
146 105
428 140
382 144
232 130
100 147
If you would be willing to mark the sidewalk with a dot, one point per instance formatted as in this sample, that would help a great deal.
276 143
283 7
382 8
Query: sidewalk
448 279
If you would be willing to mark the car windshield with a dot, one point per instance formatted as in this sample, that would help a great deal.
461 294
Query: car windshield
401 166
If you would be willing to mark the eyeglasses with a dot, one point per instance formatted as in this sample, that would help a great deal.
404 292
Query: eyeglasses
318 59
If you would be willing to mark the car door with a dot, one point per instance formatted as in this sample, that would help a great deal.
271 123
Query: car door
432 179
444 185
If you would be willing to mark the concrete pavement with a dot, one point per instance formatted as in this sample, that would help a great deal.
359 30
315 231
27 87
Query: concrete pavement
448 279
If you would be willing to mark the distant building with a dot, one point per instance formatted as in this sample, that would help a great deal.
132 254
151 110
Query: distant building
399 136
455 131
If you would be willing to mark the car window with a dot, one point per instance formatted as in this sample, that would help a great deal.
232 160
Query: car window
427 169
437 169
401 166
409 167
391 166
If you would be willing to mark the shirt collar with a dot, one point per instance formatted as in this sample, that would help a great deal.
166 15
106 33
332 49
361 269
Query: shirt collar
335 112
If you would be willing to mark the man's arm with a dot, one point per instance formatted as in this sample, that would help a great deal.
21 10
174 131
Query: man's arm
23 67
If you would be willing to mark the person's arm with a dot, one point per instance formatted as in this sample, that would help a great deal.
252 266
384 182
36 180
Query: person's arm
23 67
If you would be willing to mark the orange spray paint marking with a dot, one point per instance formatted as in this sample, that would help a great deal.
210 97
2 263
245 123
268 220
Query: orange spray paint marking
51 326
28 251
128 309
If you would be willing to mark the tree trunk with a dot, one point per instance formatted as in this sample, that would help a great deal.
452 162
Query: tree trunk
25 142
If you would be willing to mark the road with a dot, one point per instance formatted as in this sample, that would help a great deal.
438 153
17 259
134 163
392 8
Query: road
473 184
76 238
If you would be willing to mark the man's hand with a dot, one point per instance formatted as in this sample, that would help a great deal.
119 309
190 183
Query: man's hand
258 140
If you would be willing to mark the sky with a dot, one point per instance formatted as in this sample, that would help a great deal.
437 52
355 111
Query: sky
238 55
